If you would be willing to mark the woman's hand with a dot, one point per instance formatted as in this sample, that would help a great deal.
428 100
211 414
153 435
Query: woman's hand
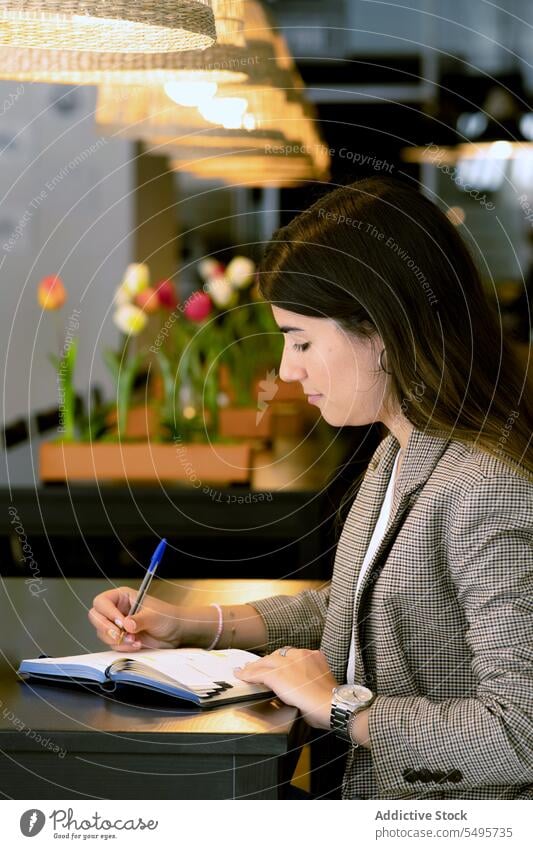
302 678
156 625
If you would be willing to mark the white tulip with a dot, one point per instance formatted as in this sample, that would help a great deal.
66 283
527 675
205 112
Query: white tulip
220 292
122 296
130 319
240 272
209 268
136 278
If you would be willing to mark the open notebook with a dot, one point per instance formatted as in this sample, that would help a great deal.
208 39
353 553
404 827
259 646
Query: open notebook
203 677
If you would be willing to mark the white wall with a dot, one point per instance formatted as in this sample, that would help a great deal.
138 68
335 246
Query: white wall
67 190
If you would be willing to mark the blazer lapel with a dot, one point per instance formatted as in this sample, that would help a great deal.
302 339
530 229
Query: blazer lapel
349 555
421 456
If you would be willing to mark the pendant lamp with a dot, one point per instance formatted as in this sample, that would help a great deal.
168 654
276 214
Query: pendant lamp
118 26
249 168
227 61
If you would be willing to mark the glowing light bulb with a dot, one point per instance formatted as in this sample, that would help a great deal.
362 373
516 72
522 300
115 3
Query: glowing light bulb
227 111
189 93
501 150
248 121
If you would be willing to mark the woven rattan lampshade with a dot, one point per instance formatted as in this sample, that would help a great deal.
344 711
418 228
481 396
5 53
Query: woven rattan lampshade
118 26
227 61
250 168
261 41
142 112
146 113
270 110
150 115
212 138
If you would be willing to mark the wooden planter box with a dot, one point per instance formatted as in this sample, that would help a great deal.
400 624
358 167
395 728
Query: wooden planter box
142 422
145 461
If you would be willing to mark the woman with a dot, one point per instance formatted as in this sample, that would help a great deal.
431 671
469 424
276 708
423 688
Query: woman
427 621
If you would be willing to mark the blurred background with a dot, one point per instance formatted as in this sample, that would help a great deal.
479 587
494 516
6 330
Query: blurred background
140 391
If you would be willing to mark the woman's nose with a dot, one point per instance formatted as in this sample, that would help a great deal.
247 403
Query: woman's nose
289 371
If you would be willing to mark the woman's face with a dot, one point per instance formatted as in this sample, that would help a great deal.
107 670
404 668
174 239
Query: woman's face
342 370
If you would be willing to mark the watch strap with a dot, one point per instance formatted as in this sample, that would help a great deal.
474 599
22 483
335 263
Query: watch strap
342 718
339 721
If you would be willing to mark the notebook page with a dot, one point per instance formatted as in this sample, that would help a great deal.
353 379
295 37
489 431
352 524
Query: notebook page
91 666
196 666
99 660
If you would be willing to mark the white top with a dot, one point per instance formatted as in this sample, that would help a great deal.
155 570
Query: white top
377 536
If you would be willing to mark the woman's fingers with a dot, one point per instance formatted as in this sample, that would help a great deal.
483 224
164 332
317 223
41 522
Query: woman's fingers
155 625
114 604
122 647
101 623
109 633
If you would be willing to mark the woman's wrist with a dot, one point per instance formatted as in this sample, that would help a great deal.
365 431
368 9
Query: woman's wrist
358 728
195 626
242 627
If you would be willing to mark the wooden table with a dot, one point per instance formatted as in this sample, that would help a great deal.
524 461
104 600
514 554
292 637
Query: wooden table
64 743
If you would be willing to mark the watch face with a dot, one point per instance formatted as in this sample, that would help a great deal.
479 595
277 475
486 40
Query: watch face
353 694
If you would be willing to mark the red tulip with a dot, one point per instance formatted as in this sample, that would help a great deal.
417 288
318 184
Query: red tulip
51 293
148 300
198 306
166 292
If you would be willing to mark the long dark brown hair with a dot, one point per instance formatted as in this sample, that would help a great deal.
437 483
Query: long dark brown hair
377 256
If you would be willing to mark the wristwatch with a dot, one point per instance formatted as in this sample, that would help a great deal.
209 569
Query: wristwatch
347 700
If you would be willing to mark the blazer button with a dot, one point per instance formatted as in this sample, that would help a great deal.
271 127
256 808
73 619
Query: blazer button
370 680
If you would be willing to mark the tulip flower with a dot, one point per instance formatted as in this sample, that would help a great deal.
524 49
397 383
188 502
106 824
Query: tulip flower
51 293
198 306
221 292
148 300
166 292
130 319
122 296
209 268
136 278
240 272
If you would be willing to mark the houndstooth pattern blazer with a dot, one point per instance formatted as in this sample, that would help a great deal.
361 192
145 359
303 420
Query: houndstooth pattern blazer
444 625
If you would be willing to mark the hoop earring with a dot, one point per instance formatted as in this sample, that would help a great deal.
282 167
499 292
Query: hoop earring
382 367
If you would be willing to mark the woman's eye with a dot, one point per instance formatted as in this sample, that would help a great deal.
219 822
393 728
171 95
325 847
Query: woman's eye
303 347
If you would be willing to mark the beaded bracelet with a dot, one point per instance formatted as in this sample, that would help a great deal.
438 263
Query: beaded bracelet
220 626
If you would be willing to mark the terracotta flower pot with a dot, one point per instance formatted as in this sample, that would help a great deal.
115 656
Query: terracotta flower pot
144 461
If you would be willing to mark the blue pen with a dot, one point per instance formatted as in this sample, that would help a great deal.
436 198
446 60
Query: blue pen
147 580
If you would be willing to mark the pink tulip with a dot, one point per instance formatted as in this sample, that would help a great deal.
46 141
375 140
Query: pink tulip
166 292
51 293
198 306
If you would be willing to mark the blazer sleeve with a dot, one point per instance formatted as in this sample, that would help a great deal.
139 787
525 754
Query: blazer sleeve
294 620
486 738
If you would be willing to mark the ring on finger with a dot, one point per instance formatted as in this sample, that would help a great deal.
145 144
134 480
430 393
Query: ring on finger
283 651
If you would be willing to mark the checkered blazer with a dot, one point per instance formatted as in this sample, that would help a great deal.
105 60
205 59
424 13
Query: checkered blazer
444 631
